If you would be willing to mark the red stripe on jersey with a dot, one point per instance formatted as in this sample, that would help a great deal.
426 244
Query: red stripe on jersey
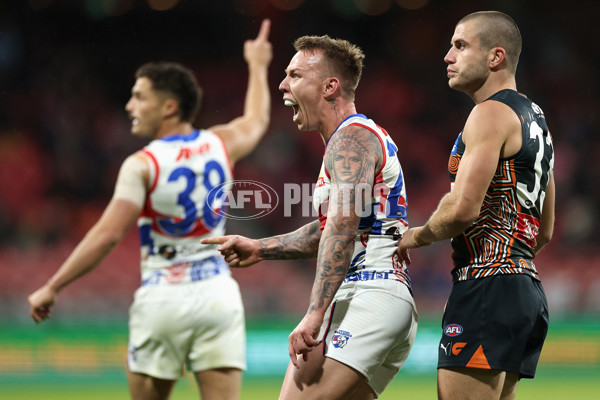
328 325
382 130
229 163
156 169
383 150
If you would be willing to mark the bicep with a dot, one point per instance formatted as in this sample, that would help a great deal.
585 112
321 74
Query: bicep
485 134
351 160
118 217
132 183
239 137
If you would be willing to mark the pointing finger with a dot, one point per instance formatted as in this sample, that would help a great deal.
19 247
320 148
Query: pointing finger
215 240
265 27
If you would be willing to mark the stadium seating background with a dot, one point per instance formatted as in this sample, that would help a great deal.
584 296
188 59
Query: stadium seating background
66 69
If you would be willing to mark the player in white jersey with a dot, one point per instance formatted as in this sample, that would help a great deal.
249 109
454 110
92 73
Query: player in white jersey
188 311
362 320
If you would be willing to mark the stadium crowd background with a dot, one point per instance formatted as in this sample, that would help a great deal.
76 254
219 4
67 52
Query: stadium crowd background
66 70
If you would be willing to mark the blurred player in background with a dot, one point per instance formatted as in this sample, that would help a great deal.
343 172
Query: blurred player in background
188 310
362 319
499 214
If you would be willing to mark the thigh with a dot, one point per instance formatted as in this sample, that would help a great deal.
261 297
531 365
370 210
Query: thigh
319 377
220 384
219 340
145 387
469 384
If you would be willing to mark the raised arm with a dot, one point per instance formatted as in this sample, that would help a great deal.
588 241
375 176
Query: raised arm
242 134
113 225
241 252
352 158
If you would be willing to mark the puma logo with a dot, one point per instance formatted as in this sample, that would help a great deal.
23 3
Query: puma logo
445 348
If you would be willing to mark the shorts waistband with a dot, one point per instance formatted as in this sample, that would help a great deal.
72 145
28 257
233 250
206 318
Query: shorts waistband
189 271
362 276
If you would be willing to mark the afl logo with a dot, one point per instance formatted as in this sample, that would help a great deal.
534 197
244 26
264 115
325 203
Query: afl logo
453 330
247 200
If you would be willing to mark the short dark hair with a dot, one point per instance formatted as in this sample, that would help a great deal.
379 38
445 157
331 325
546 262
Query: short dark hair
176 80
498 29
345 58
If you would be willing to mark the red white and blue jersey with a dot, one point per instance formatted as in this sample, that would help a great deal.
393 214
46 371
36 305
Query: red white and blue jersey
385 218
190 176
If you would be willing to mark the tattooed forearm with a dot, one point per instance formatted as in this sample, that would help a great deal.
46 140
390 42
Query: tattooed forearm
302 243
352 159
335 254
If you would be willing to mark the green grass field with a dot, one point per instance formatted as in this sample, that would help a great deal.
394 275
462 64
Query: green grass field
547 386
85 361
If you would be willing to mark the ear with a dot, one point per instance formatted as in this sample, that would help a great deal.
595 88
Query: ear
331 87
170 107
497 57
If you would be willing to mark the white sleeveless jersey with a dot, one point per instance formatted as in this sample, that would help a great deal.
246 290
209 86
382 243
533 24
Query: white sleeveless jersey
384 221
190 176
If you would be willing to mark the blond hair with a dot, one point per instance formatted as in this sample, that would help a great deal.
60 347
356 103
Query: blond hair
344 59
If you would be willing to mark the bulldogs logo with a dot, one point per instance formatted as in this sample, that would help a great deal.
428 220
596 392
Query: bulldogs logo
340 338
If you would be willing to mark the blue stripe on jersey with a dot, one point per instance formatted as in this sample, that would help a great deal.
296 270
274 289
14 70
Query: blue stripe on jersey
347 118
376 229
368 220
186 138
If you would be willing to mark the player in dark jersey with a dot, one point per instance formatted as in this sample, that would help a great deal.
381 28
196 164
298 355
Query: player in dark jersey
499 214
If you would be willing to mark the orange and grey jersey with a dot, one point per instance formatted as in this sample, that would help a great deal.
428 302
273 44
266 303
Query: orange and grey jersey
502 239
384 219
190 176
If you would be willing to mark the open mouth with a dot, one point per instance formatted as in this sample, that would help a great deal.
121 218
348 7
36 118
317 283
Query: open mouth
292 104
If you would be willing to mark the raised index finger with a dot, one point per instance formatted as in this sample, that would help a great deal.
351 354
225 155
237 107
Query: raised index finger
265 27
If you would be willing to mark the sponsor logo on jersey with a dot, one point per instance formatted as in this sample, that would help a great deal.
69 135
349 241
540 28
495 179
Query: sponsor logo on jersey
453 330
340 338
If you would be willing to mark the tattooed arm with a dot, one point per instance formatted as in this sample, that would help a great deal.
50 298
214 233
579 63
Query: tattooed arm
243 252
352 158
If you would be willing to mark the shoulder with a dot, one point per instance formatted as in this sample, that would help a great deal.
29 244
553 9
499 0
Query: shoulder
356 137
491 119
355 150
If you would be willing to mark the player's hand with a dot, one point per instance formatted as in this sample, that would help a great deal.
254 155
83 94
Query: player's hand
304 338
259 51
40 302
238 251
406 243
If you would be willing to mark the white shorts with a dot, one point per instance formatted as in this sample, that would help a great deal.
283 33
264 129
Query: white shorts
371 327
198 324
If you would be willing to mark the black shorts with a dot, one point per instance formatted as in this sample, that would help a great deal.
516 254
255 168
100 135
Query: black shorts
499 322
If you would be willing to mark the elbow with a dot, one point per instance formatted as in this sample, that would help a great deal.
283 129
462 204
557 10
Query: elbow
262 123
463 218
109 239
543 239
